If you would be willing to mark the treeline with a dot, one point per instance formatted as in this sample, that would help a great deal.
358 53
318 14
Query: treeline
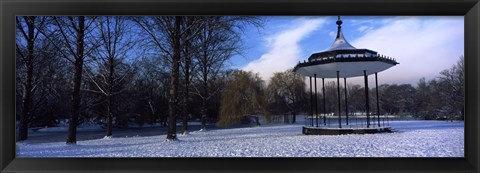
286 95
118 70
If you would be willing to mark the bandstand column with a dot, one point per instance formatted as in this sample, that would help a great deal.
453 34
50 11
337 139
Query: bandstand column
378 105
367 103
316 99
346 103
339 106
324 106
311 101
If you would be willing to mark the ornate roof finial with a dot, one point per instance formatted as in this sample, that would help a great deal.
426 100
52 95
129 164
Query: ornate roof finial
339 22
340 42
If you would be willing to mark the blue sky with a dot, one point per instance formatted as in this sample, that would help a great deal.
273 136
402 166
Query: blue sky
423 45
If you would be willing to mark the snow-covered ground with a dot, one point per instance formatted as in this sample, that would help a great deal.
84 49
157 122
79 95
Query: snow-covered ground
413 139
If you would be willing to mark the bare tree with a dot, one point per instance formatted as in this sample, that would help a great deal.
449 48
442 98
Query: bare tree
164 33
174 80
27 27
452 88
423 99
192 25
116 43
397 99
356 98
287 88
151 84
170 34
219 39
71 44
79 56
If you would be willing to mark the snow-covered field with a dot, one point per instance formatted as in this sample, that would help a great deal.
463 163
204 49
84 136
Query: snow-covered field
413 139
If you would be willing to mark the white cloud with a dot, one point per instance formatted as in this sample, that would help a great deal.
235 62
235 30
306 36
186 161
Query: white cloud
364 28
332 34
422 46
361 21
283 48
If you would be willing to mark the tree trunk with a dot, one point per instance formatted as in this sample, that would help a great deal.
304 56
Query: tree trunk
110 97
109 116
294 115
26 101
205 96
173 100
27 87
186 96
185 100
257 121
205 91
187 82
72 128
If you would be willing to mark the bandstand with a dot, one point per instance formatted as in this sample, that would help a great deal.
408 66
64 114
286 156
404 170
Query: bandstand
342 60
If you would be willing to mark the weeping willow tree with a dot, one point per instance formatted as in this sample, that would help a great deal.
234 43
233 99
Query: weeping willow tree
244 96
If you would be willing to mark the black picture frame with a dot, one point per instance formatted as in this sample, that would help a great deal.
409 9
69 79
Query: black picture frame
470 9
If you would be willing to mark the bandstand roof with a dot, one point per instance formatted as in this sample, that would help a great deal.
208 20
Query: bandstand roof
343 57
346 67
340 42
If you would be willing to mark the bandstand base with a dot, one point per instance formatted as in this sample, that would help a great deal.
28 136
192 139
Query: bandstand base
344 131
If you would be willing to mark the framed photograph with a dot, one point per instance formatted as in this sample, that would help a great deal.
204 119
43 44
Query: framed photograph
239 86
